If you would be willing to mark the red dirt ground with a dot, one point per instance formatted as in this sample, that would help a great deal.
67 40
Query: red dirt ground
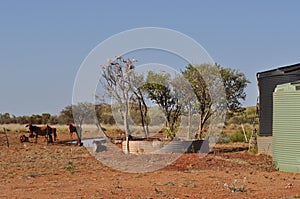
30 170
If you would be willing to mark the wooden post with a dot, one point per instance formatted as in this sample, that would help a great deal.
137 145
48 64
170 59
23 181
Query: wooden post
245 135
7 143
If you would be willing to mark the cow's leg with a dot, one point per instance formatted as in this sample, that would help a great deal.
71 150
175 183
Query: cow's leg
36 137
54 134
31 135
50 138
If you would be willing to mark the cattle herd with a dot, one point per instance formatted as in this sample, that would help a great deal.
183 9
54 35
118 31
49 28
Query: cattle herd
48 132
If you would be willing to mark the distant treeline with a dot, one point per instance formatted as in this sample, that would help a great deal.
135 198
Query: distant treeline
103 112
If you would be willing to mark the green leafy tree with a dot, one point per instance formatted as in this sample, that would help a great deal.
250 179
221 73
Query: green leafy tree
45 118
201 91
66 115
159 91
104 113
5 118
13 119
199 85
54 119
36 119
188 100
235 83
207 82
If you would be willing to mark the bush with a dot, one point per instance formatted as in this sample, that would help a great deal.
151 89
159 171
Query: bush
239 137
224 138
115 132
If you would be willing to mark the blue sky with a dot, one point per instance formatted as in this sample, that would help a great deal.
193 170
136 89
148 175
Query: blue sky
43 43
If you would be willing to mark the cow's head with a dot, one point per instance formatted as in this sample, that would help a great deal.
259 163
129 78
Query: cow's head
28 125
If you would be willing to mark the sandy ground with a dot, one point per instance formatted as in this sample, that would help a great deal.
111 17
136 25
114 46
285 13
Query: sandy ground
30 170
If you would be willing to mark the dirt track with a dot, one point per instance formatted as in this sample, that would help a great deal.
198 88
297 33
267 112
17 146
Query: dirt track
31 170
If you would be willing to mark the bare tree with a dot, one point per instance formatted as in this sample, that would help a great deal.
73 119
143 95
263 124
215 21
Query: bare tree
117 75
81 112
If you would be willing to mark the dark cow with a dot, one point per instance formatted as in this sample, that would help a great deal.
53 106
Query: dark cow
46 131
72 129
53 131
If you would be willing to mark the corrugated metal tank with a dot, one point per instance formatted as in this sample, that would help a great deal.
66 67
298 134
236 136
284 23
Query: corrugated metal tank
286 127
267 83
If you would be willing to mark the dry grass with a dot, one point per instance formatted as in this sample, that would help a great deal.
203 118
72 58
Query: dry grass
15 128
135 129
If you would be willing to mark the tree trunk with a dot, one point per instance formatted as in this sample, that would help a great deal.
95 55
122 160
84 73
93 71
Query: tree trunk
147 129
126 124
199 134
143 117
189 123
143 113
145 120
79 134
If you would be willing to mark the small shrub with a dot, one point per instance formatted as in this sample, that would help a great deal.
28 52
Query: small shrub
188 184
224 138
253 150
115 132
237 186
239 137
70 168
169 183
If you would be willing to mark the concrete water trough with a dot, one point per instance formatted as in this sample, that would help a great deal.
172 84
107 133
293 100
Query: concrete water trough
160 147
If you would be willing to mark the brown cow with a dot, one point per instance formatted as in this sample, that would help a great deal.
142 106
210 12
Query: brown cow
72 129
53 131
41 130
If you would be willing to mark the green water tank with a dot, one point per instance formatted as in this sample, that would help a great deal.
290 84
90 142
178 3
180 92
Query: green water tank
286 127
